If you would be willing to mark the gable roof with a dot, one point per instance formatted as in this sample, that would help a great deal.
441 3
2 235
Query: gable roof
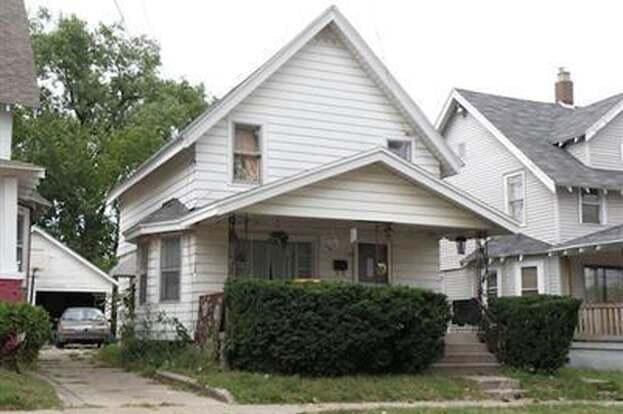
73 254
379 155
18 84
531 130
329 18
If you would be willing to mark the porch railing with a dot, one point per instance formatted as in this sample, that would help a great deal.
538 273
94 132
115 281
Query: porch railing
600 320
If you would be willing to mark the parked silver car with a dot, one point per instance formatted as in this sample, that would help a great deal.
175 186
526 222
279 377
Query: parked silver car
82 325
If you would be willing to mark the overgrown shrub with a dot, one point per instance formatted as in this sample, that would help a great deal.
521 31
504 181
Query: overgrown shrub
34 321
332 328
534 333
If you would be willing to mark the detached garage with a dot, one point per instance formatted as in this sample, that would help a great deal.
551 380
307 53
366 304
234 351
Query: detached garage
61 278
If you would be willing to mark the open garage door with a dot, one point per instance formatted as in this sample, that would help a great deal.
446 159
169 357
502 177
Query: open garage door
56 302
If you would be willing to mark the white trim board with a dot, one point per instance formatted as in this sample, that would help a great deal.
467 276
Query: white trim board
380 155
70 252
446 114
330 17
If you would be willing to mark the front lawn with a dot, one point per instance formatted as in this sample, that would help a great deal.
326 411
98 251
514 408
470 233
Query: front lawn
571 384
24 392
253 388
528 409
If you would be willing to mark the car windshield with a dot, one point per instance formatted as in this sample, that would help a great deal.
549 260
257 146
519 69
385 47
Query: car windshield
83 314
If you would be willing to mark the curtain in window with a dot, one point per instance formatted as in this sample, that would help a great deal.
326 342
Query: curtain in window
603 284
170 263
247 153
268 260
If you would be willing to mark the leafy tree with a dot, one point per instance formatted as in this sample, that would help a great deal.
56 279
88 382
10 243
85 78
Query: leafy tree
104 109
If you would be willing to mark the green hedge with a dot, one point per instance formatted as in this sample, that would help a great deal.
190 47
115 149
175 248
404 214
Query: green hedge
332 328
534 333
33 320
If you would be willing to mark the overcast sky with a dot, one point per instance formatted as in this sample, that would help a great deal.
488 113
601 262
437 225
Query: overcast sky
506 47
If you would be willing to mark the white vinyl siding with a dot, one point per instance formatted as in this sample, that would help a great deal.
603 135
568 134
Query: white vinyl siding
173 180
373 194
319 107
604 149
482 175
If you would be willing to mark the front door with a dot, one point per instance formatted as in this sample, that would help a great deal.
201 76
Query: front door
373 263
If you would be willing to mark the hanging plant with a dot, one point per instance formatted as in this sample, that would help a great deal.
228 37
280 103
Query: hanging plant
279 238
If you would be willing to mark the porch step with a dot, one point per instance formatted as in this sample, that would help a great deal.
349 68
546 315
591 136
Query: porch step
469 357
500 388
466 368
465 348
464 354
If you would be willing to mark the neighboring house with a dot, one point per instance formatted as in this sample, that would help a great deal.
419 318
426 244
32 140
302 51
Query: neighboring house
318 165
61 278
558 170
18 180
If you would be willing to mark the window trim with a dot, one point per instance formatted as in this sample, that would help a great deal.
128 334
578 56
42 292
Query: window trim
603 217
539 276
161 270
498 277
263 143
390 264
506 177
25 214
143 252
407 140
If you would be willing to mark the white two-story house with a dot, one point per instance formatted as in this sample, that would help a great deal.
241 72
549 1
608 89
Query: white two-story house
18 180
557 169
318 165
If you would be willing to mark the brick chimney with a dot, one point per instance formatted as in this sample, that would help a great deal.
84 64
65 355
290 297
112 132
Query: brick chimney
564 87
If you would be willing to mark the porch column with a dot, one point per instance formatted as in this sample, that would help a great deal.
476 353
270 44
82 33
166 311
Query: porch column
10 279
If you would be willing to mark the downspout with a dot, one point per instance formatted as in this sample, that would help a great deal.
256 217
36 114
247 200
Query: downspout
31 285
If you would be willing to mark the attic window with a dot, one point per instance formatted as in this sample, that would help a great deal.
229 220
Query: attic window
247 159
591 206
401 148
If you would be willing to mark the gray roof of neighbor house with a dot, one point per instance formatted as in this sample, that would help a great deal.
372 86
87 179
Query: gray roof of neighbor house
18 84
171 210
126 266
612 234
535 128
512 245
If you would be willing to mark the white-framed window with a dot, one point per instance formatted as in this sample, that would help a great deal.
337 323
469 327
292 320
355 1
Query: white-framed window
265 259
529 280
591 205
515 196
492 284
461 150
400 147
170 268
23 232
143 265
246 160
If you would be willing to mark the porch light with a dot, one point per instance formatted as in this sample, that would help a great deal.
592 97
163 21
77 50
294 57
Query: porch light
460 245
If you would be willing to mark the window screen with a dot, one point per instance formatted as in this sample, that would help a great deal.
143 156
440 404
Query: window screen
170 264
400 148
529 281
247 154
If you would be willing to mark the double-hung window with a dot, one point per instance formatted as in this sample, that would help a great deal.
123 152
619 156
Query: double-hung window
143 264
402 148
515 197
492 285
170 268
591 210
529 281
20 253
247 154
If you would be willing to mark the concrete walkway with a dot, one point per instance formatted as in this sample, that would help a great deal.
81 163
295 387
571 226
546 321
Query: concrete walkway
86 387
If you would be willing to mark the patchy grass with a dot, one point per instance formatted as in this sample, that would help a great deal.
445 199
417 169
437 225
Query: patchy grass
571 384
24 392
255 388
528 409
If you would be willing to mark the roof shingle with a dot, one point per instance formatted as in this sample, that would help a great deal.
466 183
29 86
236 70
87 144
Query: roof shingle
18 84
534 128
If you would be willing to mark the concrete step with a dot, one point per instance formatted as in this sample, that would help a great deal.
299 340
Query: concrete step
466 368
464 348
462 338
489 382
506 394
468 357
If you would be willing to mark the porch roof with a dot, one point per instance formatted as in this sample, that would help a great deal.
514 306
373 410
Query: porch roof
609 237
499 222
512 245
